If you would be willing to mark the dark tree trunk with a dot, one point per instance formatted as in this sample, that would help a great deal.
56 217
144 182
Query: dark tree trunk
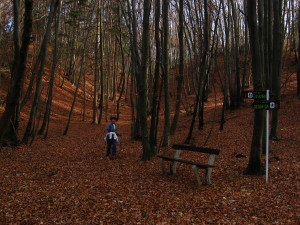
20 60
137 67
277 62
123 75
202 78
96 71
154 112
165 65
76 90
254 165
147 151
34 109
101 102
181 68
298 68
235 103
45 124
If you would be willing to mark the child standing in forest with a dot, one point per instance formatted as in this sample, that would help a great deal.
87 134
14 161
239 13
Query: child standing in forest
111 137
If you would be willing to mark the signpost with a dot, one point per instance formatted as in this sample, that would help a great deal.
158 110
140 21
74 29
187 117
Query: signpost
263 103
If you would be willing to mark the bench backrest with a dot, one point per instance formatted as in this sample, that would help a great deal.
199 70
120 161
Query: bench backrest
197 149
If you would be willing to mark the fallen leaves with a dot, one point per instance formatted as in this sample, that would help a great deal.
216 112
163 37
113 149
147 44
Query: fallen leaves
66 179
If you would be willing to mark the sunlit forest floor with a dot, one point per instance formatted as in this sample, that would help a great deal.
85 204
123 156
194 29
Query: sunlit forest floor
67 179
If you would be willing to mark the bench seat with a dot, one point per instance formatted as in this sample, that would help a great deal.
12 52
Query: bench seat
199 165
195 165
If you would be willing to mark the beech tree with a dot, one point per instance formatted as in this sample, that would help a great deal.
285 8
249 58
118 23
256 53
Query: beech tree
298 70
255 165
181 66
147 151
165 71
9 119
31 129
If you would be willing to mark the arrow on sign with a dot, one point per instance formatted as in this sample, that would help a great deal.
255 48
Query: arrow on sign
268 105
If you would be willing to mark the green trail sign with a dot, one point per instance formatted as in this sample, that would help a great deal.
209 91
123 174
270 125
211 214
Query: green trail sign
268 105
255 95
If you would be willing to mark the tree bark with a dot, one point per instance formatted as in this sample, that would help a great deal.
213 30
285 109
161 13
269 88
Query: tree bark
96 71
277 63
14 95
101 103
147 152
181 68
255 166
298 70
155 98
202 77
76 90
165 64
235 103
45 124
120 40
30 128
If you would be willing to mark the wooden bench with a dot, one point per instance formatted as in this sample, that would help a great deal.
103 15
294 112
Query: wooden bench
195 165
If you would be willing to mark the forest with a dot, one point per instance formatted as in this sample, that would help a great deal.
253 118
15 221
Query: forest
200 73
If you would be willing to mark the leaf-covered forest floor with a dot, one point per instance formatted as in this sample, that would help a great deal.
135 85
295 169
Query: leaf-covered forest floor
67 179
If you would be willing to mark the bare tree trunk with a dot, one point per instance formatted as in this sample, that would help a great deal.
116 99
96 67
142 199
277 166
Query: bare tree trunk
165 63
96 72
199 94
155 103
120 40
101 103
137 66
181 67
20 60
277 62
76 90
237 86
298 70
30 128
147 152
255 166
246 52
45 124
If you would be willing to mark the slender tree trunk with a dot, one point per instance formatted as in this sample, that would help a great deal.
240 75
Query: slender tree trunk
120 39
76 90
246 52
154 112
101 103
34 109
298 70
237 89
199 94
165 63
255 166
20 60
45 124
137 66
277 62
147 152
181 67
96 72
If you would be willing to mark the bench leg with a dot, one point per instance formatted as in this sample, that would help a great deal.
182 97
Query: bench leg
163 166
208 176
174 164
196 172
